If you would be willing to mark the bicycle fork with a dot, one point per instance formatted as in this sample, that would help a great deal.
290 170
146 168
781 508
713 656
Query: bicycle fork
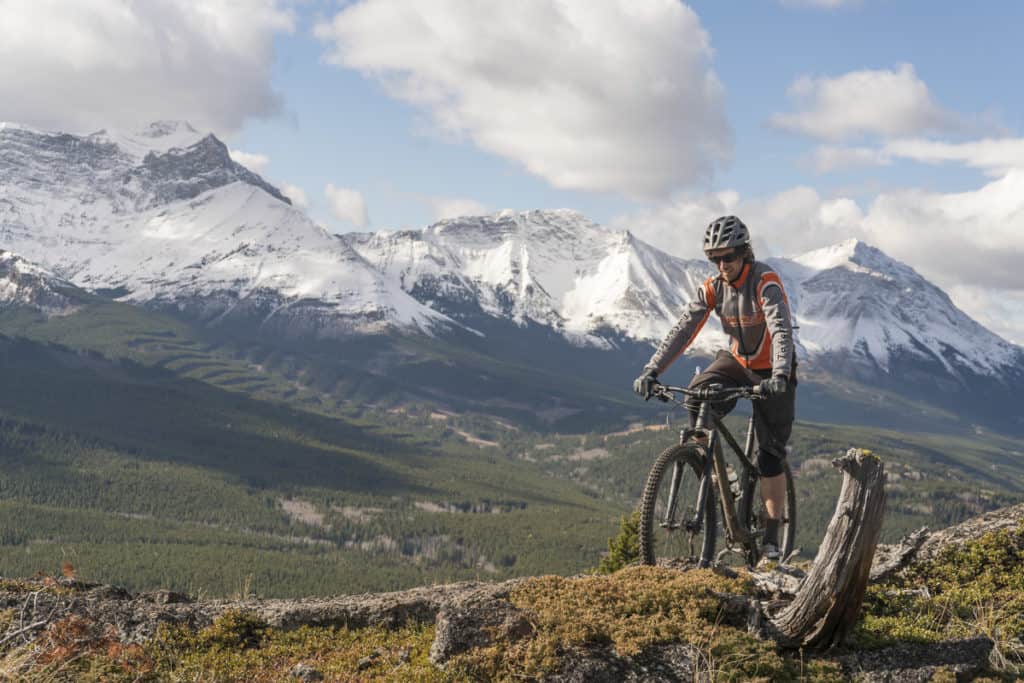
691 526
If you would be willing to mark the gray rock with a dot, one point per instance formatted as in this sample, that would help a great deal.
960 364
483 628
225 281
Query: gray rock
660 664
305 672
918 662
418 605
463 628
971 530
891 558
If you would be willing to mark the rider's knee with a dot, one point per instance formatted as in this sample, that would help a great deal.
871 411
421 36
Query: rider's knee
768 464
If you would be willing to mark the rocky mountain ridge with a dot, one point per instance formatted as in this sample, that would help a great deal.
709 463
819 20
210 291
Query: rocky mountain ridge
185 226
165 218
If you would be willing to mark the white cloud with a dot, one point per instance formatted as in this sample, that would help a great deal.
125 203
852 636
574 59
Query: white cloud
971 244
887 103
257 163
610 96
792 221
994 156
348 205
296 194
677 227
89 64
965 238
1000 310
454 208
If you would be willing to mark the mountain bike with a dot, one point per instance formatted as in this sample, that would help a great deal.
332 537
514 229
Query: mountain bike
678 511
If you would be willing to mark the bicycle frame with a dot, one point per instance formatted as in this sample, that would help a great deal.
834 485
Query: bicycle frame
713 429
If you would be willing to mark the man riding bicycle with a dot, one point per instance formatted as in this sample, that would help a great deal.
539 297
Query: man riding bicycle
749 299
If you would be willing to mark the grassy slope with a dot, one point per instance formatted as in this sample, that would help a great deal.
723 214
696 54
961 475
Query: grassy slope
208 435
143 477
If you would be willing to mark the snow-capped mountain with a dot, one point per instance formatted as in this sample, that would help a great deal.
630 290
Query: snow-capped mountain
24 284
556 268
166 217
551 268
851 297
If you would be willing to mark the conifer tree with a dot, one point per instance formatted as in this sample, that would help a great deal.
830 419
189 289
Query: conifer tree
624 548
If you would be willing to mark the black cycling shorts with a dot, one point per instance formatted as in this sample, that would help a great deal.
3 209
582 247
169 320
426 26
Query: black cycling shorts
773 417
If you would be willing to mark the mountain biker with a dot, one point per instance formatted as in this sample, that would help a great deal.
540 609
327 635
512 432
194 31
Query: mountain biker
749 299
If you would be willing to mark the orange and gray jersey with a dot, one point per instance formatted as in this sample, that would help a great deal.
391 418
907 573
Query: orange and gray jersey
754 312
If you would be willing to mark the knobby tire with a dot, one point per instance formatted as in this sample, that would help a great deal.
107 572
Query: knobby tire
658 543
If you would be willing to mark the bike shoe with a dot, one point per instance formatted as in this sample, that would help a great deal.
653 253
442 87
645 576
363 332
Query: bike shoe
770 552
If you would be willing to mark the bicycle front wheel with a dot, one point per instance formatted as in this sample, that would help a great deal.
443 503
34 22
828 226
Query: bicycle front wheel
668 510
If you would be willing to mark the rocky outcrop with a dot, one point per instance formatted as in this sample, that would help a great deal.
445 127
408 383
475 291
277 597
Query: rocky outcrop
137 616
472 615
187 173
477 622
924 545
919 662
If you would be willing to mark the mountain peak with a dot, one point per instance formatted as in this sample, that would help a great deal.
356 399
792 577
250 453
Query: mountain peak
156 137
831 256
11 262
162 129
851 254
23 283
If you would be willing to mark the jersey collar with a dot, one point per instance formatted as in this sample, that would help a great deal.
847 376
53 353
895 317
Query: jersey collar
738 282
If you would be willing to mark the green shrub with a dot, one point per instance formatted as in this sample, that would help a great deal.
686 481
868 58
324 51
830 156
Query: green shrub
623 549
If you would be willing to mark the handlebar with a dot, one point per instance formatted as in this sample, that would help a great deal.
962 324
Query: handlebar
711 392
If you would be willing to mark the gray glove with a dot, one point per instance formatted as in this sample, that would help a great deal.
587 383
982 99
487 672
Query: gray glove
776 386
644 384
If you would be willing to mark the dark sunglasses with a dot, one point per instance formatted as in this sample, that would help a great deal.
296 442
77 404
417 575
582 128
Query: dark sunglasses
725 258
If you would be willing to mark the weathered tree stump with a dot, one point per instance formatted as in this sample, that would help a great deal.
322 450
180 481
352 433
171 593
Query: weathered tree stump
829 599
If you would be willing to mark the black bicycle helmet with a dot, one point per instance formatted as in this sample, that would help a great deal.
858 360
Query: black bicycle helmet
725 232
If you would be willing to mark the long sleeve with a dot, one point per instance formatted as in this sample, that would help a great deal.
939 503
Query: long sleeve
777 317
689 325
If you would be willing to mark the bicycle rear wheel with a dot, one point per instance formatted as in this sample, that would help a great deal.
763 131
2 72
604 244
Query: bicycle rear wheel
752 511
668 506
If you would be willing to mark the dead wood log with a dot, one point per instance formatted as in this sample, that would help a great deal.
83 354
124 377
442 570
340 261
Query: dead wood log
829 599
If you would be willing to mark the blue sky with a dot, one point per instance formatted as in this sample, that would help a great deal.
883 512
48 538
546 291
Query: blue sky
648 115
338 126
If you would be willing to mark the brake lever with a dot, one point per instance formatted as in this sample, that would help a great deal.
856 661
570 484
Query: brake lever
661 393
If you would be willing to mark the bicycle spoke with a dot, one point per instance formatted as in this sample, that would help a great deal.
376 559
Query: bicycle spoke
673 496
